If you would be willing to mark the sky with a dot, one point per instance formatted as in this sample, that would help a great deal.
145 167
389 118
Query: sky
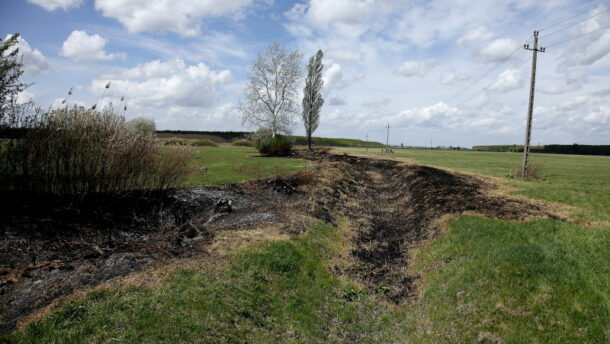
440 72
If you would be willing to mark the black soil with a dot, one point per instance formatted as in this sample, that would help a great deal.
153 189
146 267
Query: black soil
50 247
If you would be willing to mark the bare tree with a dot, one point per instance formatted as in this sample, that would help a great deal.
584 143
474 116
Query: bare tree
272 89
312 96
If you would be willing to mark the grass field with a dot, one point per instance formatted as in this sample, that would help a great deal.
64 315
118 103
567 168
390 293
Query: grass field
231 164
577 180
483 281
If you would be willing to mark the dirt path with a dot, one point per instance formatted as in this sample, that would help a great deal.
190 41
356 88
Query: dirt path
48 250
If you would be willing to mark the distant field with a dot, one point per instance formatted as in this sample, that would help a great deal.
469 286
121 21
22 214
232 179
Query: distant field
230 164
337 142
577 180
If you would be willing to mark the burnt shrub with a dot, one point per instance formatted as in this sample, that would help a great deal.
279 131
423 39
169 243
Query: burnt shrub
79 151
279 145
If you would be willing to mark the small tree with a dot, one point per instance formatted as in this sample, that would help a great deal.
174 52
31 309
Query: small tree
272 90
312 96
143 125
10 72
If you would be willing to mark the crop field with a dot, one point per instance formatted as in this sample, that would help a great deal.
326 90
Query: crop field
367 250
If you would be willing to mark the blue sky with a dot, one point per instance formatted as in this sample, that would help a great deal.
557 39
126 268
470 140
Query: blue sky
448 71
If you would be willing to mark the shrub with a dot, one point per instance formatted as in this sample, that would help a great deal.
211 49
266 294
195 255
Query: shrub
262 137
203 142
243 143
279 145
534 170
76 151
174 141
143 125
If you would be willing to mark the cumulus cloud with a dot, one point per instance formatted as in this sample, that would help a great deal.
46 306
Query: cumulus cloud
437 115
52 5
499 50
34 62
415 68
158 85
507 81
479 33
179 16
333 78
82 47
322 12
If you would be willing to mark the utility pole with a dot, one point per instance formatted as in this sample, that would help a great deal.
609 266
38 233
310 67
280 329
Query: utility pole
530 108
387 139
367 142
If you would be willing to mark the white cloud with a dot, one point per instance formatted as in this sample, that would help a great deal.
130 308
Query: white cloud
333 78
336 101
499 50
322 12
179 16
479 33
507 81
452 78
34 63
82 47
158 85
415 68
52 5
376 102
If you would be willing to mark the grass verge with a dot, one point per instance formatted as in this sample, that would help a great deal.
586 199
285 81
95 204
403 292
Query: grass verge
232 164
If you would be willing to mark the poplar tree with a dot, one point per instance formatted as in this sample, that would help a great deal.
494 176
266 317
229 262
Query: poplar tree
312 95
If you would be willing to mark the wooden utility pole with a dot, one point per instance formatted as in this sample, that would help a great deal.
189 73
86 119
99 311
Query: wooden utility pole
367 142
530 108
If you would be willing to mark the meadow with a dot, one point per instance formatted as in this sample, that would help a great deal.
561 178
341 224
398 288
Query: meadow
481 281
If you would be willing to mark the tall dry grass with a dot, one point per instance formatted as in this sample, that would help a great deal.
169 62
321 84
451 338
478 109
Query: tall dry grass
78 151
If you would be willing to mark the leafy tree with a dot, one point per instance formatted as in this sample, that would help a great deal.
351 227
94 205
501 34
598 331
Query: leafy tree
10 72
272 90
312 96
143 125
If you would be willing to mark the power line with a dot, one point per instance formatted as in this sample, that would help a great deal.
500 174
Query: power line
494 67
578 36
569 26
491 84
569 19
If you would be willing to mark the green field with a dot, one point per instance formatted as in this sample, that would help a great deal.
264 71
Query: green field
230 164
483 281
576 180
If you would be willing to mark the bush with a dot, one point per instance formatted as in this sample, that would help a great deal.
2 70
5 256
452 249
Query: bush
174 141
279 145
262 137
143 125
243 143
76 151
203 142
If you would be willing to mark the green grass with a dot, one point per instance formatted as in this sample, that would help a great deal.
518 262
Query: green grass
280 292
536 282
232 164
576 180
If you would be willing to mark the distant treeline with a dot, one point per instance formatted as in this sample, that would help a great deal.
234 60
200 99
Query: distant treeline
225 135
325 141
552 149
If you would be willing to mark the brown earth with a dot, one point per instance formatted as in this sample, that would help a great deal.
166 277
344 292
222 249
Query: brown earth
50 248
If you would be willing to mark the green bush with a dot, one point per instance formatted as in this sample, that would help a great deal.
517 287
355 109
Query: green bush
174 141
143 125
243 143
279 145
77 151
203 142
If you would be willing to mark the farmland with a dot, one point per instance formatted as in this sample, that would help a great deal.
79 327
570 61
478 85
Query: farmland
491 278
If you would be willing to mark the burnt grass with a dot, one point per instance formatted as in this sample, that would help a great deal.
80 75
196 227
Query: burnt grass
53 246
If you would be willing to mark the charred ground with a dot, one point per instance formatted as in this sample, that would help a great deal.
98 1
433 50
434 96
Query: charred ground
50 247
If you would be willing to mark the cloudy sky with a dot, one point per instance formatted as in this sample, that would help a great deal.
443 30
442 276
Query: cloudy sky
450 72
